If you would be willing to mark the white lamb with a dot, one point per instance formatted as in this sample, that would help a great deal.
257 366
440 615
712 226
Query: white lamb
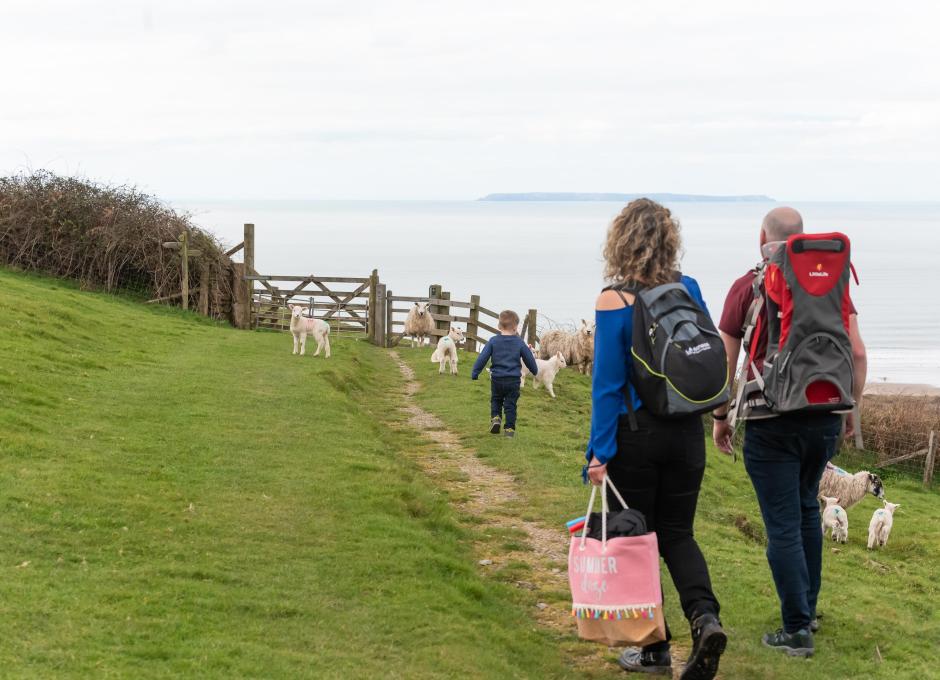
849 488
418 324
446 352
301 326
835 519
879 528
548 369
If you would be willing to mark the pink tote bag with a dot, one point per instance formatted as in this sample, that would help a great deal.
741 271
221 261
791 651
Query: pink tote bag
615 590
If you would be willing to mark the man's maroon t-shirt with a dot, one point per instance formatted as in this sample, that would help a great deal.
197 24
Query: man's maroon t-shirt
735 312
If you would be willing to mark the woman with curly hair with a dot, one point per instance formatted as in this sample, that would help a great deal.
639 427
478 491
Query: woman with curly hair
657 467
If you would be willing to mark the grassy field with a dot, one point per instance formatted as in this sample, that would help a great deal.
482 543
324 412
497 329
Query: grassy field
181 499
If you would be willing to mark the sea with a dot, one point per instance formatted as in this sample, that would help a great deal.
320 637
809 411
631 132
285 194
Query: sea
547 256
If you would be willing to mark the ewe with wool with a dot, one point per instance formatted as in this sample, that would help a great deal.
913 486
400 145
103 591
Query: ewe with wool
577 348
548 369
301 326
835 519
849 488
418 323
446 352
879 528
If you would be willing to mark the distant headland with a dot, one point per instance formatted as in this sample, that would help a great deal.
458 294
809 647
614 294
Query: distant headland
674 198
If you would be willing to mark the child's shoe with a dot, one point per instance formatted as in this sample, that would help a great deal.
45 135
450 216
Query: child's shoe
509 432
494 425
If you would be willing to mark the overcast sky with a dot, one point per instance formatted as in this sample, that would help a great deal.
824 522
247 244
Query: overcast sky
822 100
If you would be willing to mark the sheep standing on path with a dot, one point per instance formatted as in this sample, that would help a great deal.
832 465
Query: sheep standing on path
879 528
446 351
301 326
835 519
849 488
418 323
548 369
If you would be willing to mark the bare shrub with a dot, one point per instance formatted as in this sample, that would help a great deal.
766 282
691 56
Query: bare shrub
105 237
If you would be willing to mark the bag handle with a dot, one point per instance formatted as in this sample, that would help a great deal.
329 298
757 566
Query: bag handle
604 510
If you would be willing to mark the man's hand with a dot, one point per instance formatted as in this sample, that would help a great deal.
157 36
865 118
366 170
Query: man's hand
850 424
722 434
596 472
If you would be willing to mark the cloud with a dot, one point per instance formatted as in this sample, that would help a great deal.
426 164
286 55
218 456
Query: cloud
415 99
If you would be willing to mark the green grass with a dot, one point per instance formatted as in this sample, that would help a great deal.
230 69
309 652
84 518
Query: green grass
889 598
178 498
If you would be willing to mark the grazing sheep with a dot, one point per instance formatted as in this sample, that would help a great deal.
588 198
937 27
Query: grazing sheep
879 528
446 351
583 355
548 369
577 348
301 325
553 342
835 519
418 323
849 488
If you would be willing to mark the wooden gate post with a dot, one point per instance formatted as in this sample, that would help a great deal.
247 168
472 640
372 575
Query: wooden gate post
249 286
377 315
204 288
184 253
373 312
931 459
472 328
386 341
532 331
241 314
857 417
434 293
445 325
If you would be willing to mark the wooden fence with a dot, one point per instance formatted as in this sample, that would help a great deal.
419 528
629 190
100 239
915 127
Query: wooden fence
479 322
357 305
347 309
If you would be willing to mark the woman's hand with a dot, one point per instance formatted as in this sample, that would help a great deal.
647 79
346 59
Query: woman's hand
596 472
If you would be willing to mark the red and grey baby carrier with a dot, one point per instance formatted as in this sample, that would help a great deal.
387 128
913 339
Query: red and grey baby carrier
808 366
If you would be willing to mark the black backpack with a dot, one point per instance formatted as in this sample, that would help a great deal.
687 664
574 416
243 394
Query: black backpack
679 363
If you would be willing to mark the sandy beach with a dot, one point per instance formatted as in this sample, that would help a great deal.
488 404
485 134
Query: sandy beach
902 389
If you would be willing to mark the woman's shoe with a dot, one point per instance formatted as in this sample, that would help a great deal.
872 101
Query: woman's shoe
634 660
708 644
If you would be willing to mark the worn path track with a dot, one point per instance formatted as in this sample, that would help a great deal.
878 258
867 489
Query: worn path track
487 495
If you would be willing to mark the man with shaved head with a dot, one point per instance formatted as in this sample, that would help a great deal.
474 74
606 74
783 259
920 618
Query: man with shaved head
785 457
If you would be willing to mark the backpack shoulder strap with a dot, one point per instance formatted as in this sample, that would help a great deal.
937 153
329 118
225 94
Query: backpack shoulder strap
625 287
634 289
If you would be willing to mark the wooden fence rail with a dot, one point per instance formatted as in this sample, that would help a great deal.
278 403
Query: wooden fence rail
477 320
353 304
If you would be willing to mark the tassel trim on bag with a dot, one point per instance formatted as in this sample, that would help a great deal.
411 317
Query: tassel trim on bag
634 611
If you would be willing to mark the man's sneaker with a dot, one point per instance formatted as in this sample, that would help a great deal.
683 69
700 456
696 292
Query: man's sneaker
509 432
494 425
708 644
635 660
814 626
799 643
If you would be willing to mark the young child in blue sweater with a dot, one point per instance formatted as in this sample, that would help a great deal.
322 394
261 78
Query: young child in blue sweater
504 351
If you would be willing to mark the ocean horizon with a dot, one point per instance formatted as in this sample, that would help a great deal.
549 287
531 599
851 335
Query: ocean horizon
547 255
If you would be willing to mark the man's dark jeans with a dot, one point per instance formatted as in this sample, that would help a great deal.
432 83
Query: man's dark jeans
658 469
785 458
504 393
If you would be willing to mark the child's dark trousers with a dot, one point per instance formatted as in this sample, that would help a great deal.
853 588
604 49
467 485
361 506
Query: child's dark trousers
504 393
